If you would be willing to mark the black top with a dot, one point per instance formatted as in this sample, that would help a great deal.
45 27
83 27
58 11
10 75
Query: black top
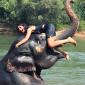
48 29
39 29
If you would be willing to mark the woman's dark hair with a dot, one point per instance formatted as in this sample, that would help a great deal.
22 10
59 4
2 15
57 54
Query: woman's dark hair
24 25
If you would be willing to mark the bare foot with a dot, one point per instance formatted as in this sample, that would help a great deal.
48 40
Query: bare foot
66 56
71 40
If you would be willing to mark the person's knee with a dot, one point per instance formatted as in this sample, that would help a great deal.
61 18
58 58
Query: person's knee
50 45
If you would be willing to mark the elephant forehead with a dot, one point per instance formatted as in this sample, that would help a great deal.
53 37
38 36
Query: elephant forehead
24 49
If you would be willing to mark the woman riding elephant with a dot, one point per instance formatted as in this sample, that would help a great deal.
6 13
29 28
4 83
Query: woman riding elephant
52 42
48 29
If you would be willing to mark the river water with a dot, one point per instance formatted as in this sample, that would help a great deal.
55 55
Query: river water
65 72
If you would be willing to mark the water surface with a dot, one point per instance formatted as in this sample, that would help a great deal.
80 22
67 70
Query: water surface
64 72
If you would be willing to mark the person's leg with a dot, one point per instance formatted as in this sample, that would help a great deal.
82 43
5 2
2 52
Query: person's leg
66 55
53 43
51 37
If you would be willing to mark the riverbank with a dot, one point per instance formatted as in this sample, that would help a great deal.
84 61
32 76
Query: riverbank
80 35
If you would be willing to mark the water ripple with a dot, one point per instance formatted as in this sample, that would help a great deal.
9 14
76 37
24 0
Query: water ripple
64 72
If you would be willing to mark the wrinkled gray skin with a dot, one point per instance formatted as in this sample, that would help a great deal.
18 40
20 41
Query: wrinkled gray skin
43 60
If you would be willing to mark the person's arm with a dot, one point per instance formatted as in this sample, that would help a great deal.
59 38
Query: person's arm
29 31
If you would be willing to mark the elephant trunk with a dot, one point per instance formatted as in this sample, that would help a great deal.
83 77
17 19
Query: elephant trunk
74 21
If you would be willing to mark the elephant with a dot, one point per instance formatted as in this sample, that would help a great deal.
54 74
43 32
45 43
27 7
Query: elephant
43 60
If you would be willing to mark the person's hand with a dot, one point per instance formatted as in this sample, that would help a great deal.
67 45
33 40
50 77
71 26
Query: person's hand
17 45
66 56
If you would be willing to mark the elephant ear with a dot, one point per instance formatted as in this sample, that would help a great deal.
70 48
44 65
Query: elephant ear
74 22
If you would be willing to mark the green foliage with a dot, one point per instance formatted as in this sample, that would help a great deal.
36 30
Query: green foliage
30 11
82 26
82 10
38 11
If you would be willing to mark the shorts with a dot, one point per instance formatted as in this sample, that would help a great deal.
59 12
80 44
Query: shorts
50 30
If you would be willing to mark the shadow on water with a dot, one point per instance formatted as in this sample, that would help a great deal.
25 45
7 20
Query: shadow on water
65 72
